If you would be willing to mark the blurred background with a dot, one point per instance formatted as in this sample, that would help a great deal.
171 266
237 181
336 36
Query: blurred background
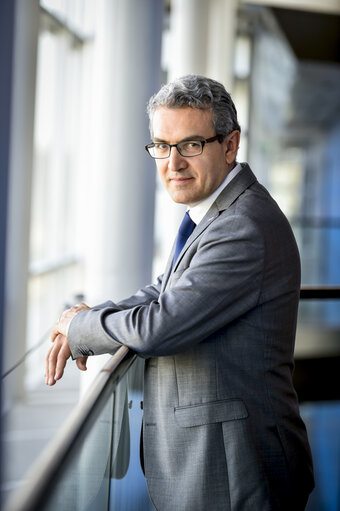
83 215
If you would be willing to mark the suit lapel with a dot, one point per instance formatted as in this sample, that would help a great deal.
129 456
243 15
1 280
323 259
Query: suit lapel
168 268
231 192
235 188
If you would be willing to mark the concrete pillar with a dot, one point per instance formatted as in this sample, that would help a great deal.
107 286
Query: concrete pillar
119 216
26 26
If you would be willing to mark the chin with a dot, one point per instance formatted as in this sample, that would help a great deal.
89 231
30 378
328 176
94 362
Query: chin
181 200
177 197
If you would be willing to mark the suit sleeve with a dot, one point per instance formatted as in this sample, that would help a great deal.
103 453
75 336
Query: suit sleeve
143 296
220 282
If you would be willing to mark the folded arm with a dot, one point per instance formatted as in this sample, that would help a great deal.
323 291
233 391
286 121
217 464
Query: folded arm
60 352
222 282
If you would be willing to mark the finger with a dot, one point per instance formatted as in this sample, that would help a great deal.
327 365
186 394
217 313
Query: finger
47 364
55 333
63 355
81 363
51 363
60 366
53 359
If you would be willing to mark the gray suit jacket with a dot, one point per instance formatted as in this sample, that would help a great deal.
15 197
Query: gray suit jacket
222 428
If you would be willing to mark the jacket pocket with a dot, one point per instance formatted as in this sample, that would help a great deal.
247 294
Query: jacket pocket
208 413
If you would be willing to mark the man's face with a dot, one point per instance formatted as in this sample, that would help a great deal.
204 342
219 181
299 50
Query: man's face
190 179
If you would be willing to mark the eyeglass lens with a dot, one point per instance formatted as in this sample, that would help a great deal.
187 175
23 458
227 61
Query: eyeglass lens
186 148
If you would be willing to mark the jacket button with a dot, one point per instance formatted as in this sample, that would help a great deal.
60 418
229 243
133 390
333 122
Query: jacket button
141 405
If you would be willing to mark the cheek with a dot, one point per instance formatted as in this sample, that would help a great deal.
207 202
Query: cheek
161 169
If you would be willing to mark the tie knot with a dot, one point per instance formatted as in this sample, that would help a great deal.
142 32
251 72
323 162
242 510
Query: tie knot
184 231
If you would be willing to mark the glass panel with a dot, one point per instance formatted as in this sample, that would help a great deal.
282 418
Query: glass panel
102 469
323 424
128 489
319 244
316 379
28 426
56 271
83 483
318 332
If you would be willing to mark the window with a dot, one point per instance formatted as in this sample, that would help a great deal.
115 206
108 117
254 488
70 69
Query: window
56 266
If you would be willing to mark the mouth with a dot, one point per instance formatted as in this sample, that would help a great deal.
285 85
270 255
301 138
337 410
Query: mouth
180 179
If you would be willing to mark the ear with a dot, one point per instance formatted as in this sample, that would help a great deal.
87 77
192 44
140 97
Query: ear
232 142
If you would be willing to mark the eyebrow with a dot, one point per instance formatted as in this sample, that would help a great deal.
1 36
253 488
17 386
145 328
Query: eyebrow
186 139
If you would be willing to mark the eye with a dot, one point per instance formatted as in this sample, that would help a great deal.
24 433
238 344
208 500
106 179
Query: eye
191 147
160 146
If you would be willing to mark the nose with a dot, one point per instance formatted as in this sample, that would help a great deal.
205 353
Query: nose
176 161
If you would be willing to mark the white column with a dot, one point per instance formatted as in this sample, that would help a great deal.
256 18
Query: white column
119 216
20 175
202 34
221 44
189 24
121 207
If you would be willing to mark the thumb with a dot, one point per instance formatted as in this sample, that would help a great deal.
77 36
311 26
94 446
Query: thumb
81 363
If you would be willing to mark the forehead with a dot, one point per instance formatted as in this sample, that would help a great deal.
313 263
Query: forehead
170 124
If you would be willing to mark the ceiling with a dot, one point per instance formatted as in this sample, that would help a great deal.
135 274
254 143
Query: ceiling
315 41
312 36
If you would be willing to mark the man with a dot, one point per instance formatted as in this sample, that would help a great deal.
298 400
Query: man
221 425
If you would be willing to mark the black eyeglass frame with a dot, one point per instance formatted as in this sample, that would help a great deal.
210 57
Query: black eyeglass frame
220 138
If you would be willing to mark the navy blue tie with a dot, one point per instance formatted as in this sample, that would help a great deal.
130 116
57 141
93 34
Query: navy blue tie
184 231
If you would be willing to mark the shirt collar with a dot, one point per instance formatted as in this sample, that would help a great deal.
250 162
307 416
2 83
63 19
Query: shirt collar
200 209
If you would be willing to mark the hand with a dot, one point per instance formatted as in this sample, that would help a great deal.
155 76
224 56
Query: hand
56 359
61 326
60 351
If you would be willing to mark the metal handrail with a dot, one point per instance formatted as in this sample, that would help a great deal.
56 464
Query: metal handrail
46 467
319 292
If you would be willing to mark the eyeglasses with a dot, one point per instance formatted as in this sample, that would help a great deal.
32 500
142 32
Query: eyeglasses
186 148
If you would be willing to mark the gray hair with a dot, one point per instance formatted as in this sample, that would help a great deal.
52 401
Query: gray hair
196 91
